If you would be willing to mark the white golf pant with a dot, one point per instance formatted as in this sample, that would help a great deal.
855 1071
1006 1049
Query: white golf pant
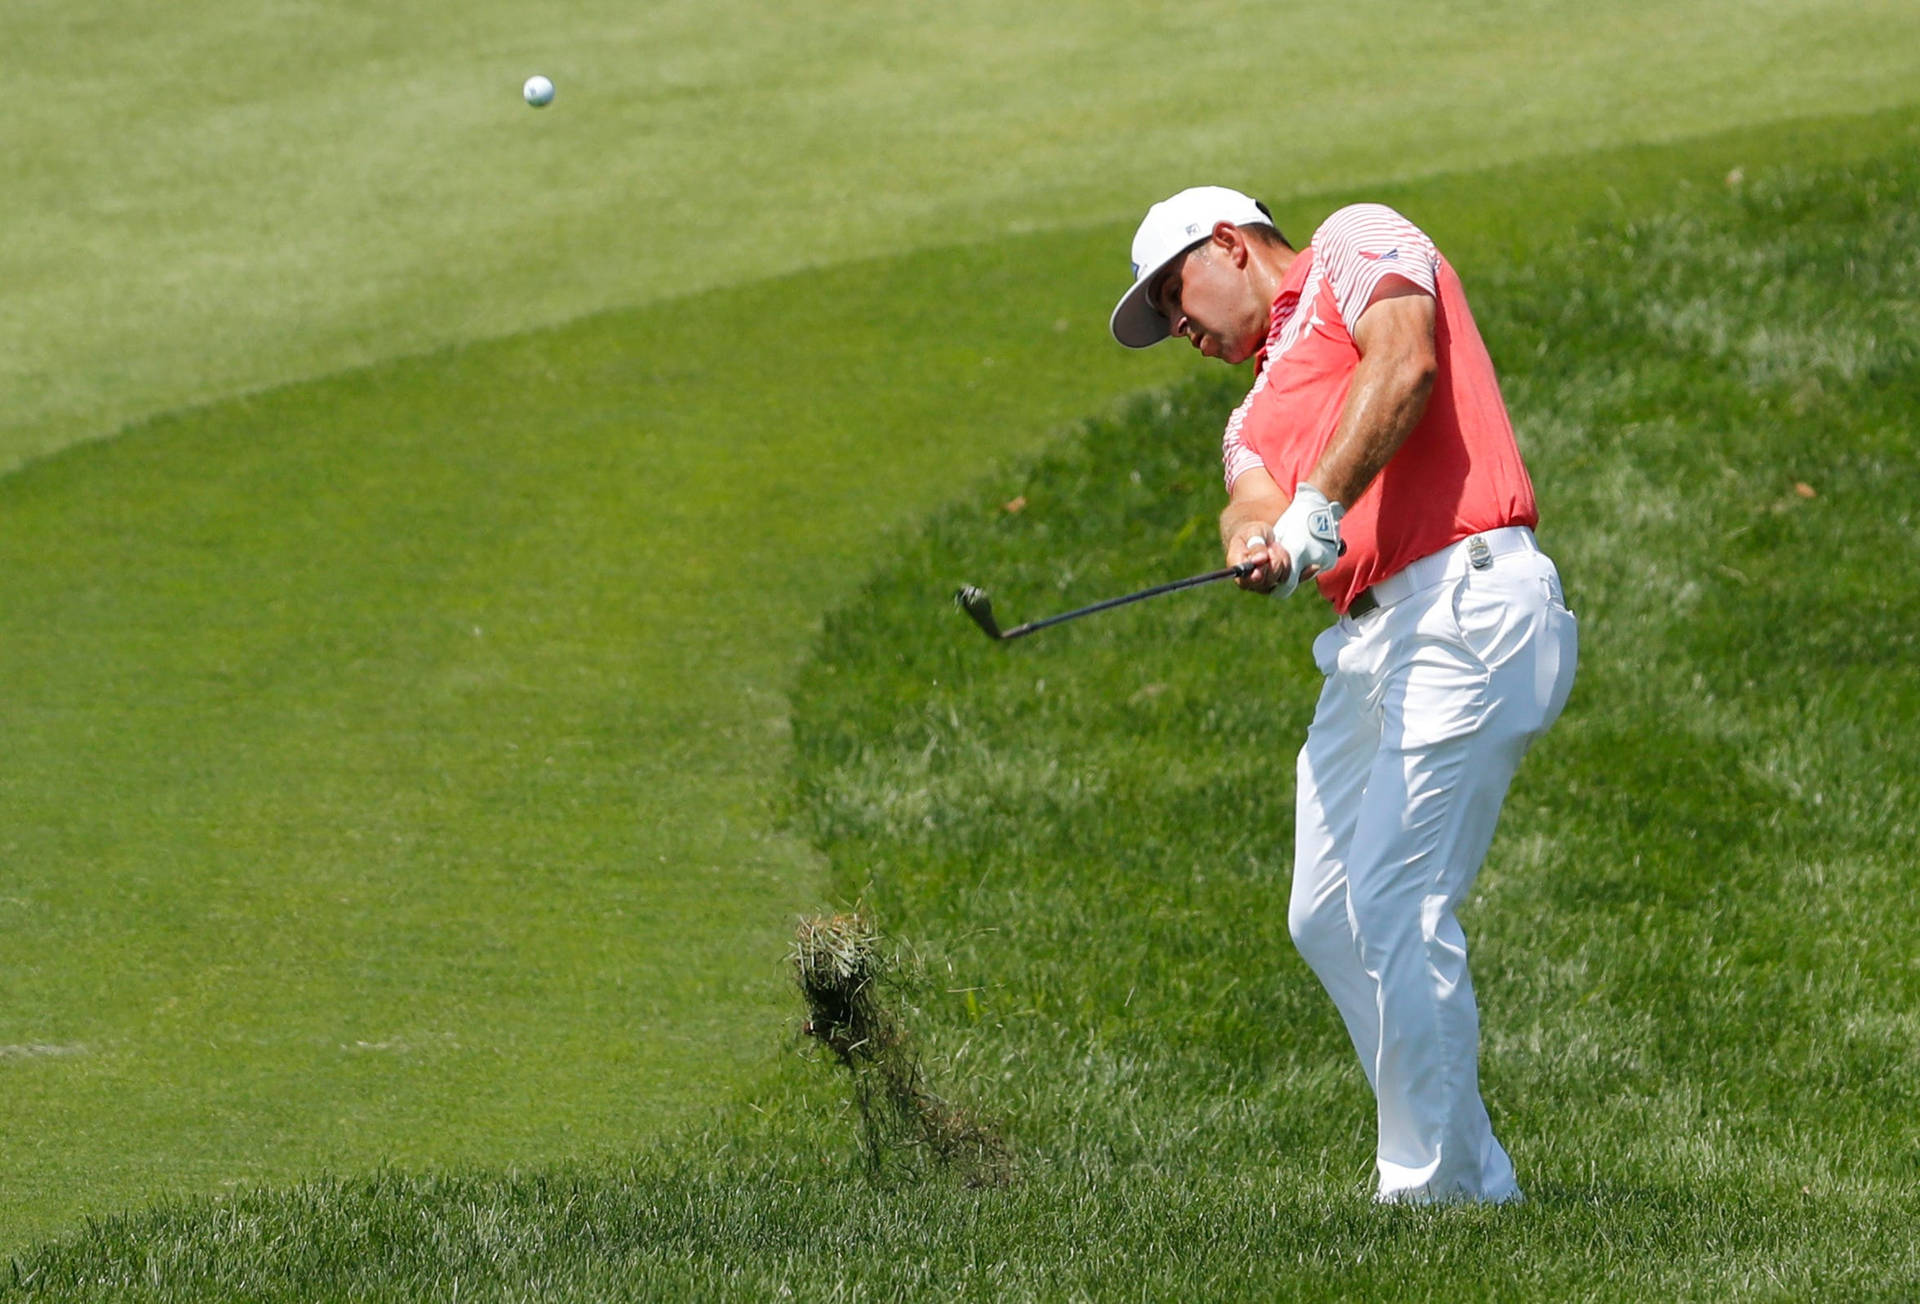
1430 701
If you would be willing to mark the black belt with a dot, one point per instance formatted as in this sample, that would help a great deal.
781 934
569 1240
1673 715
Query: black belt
1362 603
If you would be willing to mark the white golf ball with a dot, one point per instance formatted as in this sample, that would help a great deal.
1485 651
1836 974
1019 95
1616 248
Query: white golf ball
539 91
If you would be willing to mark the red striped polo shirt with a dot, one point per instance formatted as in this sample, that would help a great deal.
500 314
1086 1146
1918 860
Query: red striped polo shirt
1459 471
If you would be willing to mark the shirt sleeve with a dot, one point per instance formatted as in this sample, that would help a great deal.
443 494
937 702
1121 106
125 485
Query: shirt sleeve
1363 244
1235 457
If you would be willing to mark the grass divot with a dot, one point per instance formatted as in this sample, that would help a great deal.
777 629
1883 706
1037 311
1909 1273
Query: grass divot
846 970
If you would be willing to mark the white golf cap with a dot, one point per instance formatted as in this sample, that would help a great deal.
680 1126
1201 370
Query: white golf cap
1170 228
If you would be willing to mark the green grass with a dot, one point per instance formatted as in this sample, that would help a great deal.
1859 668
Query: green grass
305 874
1693 938
389 755
389 758
213 198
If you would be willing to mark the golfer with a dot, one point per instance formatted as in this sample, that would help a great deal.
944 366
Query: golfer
1374 456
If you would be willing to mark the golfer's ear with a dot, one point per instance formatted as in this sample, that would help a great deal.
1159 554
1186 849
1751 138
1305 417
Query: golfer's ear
1232 241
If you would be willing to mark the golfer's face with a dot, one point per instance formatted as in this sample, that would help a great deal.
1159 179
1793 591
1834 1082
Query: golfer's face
1208 302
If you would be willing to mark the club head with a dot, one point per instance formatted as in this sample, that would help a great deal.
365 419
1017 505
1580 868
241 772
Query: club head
974 602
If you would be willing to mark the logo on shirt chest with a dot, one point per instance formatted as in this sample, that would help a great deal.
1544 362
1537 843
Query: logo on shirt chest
1296 328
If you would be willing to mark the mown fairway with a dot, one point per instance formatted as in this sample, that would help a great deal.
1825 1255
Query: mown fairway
391 758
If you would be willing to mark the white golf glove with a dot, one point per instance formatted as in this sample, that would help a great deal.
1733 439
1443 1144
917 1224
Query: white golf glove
1309 533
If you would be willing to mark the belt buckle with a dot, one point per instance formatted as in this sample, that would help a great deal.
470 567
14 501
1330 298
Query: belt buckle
1479 555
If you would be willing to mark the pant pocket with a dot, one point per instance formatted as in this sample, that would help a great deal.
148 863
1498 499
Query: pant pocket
1494 616
1326 649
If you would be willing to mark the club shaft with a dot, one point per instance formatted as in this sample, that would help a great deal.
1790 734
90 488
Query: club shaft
1225 572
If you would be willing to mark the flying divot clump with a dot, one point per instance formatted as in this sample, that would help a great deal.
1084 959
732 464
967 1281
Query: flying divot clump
845 970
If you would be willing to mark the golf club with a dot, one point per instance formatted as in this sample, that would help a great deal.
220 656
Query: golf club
974 602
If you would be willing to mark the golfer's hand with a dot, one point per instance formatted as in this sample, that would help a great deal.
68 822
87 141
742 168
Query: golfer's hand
1252 546
1308 533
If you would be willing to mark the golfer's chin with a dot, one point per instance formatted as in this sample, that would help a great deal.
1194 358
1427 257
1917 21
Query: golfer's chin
1235 354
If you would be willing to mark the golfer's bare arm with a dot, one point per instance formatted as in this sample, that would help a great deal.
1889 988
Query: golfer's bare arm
1391 384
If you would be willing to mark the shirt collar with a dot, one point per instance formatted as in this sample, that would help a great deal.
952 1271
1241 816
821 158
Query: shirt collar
1284 303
